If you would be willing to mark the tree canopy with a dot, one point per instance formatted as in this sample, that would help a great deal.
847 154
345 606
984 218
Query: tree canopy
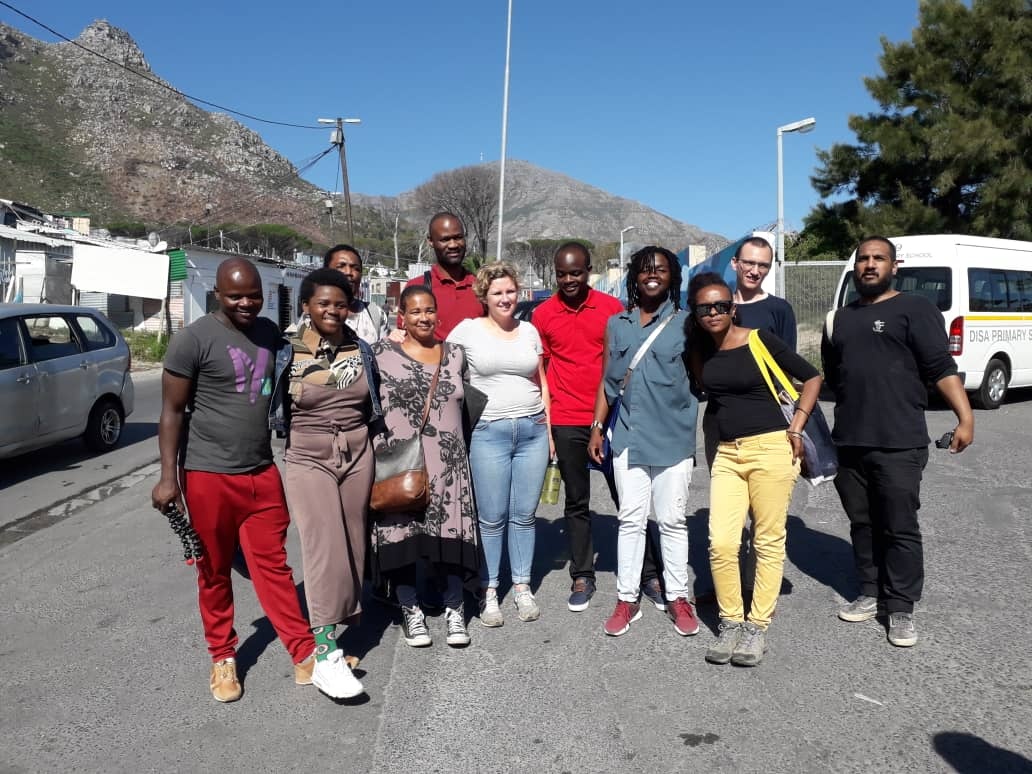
950 151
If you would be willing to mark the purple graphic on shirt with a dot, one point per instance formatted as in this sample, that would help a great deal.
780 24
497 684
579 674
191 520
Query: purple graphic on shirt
248 370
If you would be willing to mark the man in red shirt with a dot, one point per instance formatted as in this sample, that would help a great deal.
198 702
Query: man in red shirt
572 325
450 283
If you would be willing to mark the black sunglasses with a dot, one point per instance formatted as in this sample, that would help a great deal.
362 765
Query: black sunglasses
720 307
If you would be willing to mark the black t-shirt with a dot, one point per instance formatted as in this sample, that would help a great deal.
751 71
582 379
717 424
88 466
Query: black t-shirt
771 314
879 362
739 394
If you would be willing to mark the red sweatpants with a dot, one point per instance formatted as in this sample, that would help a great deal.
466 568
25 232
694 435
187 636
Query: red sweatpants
249 509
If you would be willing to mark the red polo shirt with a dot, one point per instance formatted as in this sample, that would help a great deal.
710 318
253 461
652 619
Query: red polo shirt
573 340
455 300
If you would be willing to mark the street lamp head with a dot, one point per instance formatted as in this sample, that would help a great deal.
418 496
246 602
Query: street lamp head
627 228
327 120
352 120
802 127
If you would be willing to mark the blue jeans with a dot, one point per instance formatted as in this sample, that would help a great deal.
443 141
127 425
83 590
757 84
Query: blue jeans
507 458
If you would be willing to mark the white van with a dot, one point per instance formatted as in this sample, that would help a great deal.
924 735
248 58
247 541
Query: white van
983 287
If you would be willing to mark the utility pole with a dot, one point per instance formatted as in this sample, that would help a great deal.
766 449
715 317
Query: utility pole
337 138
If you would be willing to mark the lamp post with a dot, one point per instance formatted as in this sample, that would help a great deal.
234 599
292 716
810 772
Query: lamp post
622 232
802 127
337 138
505 132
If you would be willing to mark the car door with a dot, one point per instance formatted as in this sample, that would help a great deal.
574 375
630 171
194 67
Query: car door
19 385
64 396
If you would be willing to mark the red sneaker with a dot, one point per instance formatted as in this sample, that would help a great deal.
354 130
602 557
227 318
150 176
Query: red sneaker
681 613
620 621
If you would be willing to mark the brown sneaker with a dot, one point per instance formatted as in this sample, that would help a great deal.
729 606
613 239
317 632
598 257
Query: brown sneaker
224 684
303 670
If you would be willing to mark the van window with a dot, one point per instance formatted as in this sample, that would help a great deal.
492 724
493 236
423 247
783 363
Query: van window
1000 290
10 344
94 335
50 338
933 282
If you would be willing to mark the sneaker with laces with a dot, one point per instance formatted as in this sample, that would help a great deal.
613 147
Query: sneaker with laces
751 646
729 632
623 616
413 627
455 619
681 613
333 677
526 607
653 589
581 592
225 686
860 609
303 670
490 612
902 632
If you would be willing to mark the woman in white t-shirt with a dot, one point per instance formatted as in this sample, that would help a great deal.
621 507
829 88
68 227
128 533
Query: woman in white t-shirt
512 441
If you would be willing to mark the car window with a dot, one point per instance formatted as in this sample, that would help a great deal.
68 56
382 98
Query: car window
11 354
932 282
50 337
94 335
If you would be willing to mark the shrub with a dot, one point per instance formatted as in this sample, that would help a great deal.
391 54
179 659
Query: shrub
145 346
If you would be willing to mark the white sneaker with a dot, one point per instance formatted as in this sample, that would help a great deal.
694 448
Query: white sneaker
526 607
490 612
458 636
334 677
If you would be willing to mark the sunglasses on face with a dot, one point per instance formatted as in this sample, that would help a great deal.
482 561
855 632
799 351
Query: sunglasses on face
720 307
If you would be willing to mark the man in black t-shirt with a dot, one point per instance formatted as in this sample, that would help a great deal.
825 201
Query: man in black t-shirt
879 354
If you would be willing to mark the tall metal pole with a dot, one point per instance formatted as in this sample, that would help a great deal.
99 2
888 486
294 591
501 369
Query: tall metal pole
779 259
505 133
344 178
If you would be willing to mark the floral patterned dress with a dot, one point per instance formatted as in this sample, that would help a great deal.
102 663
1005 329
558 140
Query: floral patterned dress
448 533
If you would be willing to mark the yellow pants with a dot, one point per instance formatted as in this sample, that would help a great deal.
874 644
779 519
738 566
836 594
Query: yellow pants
754 473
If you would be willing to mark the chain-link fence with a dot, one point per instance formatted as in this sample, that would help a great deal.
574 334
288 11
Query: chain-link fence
810 289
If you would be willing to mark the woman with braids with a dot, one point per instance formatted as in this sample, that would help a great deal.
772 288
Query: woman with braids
329 402
445 534
653 441
756 465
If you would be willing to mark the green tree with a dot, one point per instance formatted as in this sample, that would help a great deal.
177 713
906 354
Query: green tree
951 148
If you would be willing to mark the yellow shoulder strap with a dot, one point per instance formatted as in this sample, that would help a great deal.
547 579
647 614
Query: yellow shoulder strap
769 367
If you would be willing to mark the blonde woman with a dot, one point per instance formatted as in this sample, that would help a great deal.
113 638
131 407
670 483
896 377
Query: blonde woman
512 441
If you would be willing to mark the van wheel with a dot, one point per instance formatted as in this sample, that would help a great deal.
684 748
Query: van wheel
104 427
994 386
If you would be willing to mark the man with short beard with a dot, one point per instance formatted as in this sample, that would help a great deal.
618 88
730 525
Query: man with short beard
879 352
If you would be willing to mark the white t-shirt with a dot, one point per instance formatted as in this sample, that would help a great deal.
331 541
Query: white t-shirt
504 369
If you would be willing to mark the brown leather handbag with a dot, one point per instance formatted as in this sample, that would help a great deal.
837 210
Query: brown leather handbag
401 483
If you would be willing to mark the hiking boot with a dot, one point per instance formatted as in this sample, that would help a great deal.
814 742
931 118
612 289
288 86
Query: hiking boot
490 612
333 677
751 646
526 607
729 632
413 627
860 609
681 613
653 589
623 616
458 635
582 590
224 684
902 632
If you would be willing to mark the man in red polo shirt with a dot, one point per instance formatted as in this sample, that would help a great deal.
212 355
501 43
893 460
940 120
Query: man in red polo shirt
450 283
572 326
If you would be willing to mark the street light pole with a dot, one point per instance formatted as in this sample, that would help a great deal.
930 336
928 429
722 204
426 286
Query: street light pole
803 126
505 133
622 232
337 138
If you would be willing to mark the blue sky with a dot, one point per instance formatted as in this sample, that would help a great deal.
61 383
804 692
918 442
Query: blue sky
673 103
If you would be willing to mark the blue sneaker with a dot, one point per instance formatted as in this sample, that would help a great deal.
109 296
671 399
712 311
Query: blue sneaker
654 591
583 589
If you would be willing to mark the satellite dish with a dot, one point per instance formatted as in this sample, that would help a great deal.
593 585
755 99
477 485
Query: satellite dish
152 238
159 247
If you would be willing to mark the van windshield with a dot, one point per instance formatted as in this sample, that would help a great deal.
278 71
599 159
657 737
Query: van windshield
933 282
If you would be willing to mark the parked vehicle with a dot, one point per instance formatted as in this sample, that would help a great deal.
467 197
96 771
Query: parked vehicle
525 309
983 287
64 372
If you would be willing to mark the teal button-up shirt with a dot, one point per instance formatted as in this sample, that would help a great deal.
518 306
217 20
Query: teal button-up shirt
658 414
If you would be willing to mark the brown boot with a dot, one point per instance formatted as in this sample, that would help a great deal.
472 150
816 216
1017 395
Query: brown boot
224 684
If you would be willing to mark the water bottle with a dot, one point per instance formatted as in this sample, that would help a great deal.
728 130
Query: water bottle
550 489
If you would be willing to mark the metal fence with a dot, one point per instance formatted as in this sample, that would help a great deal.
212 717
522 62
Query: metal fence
810 289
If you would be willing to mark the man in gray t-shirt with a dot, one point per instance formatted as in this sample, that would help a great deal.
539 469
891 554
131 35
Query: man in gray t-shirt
223 367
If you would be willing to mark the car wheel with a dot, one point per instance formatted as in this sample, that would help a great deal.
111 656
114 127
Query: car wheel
994 386
104 427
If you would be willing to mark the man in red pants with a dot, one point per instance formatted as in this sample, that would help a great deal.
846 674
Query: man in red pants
224 367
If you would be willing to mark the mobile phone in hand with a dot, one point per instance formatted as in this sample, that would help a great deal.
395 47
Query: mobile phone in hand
945 441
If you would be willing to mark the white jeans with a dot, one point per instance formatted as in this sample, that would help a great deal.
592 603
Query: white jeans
640 487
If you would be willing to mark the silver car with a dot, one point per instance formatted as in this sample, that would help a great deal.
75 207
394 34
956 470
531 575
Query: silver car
64 372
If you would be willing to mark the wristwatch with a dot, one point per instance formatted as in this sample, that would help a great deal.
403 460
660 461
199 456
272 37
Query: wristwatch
596 424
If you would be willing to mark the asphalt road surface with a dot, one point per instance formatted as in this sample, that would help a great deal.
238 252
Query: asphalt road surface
105 668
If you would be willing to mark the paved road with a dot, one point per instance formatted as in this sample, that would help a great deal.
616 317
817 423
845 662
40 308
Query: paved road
105 670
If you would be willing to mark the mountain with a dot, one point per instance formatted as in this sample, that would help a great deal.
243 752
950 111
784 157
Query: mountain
79 133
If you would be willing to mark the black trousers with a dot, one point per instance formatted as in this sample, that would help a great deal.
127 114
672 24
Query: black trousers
571 447
880 491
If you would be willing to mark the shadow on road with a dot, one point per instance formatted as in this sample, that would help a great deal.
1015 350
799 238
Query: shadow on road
825 558
970 754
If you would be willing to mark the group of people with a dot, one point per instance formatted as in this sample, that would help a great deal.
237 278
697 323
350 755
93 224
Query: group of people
493 399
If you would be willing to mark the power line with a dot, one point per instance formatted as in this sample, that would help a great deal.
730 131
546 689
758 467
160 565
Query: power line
154 80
